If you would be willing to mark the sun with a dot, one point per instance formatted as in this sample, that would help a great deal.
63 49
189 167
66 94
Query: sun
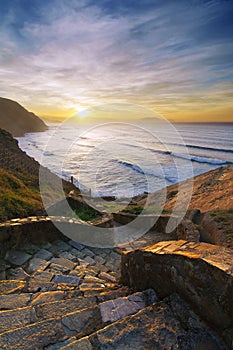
83 113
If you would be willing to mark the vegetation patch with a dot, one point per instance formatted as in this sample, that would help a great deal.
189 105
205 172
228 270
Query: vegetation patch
16 199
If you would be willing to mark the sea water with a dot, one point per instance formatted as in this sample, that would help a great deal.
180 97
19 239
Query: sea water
126 159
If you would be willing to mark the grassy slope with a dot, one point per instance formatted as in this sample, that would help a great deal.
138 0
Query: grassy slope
19 181
16 199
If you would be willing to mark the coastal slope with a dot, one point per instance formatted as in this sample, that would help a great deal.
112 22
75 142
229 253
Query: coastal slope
19 181
212 190
17 120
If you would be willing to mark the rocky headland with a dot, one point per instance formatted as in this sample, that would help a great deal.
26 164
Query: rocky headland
17 120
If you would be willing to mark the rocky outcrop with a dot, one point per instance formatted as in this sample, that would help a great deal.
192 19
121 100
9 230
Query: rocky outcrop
211 231
201 273
17 120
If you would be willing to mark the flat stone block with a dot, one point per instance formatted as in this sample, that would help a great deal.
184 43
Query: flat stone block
66 279
36 264
16 257
43 254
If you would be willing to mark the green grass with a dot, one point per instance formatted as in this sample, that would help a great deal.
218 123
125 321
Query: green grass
16 199
87 213
136 210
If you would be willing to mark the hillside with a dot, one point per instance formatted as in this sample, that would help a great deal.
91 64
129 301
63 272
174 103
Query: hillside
211 191
19 181
17 120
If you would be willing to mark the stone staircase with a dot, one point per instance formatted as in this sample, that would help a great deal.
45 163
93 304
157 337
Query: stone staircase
63 295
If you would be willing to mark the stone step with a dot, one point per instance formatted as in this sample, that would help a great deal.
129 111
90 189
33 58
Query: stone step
21 309
63 323
14 301
168 324
11 286
20 317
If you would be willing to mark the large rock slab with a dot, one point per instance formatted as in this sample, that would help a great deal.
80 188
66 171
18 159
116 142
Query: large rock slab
32 337
16 257
114 310
169 324
202 273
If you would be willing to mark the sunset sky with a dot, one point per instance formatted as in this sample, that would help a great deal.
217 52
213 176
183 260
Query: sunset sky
175 57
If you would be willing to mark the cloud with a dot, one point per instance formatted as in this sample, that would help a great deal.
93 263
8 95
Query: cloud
88 53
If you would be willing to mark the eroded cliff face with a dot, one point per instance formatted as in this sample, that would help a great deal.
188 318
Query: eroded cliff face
17 120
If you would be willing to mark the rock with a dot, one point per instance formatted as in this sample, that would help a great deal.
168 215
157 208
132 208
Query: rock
2 275
67 264
82 344
62 344
16 257
39 334
77 253
92 279
43 254
43 276
88 252
63 307
107 277
48 297
36 264
61 246
157 327
186 230
114 310
7 287
14 318
83 322
58 269
66 279
211 231
17 274
89 260
202 273
68 255
76 245
30 248
91 286
34 286
99 259
13 301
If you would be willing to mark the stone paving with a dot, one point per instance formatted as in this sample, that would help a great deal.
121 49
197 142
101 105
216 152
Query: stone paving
63 295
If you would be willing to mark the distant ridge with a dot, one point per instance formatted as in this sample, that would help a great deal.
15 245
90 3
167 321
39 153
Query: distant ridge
17 120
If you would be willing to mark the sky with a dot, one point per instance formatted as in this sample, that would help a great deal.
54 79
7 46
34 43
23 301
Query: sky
58 57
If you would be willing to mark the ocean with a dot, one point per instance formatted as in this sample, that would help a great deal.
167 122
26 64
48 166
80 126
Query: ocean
126 159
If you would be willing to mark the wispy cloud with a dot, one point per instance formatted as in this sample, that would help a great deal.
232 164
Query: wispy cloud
65 54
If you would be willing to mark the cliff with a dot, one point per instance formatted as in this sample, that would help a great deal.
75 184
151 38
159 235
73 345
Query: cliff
17 120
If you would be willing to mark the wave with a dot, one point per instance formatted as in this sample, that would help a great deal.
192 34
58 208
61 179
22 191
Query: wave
200 159
145 171
211 148
193 158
